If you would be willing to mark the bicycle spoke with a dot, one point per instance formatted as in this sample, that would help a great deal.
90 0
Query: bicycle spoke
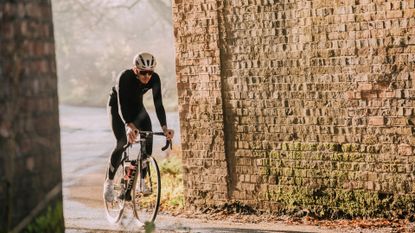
146 199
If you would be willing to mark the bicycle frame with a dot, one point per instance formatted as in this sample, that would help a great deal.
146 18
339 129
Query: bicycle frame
139 161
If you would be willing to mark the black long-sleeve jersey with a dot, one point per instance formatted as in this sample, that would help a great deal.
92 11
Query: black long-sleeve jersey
127 96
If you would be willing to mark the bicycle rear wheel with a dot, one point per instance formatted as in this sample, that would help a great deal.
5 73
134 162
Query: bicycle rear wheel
146 202
115 208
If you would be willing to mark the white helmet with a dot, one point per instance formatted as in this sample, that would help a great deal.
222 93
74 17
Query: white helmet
145 61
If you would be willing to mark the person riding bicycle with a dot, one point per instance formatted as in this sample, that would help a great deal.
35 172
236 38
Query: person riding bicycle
128 114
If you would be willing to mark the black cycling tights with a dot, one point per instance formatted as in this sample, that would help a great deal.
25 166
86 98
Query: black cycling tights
142 122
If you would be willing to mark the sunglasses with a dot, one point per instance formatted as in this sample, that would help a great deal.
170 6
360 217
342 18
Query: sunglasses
146 72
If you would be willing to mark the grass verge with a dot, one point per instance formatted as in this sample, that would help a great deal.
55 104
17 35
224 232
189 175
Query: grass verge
172 197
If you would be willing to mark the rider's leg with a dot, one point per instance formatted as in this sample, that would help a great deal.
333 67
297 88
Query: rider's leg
118 128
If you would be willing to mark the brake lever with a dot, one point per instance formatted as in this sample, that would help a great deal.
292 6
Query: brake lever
168 144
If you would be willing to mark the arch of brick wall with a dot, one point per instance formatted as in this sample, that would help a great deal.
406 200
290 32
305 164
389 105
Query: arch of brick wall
304 102
30 164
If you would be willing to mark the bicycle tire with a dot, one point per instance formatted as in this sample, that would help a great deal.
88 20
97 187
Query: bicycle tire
114 209
145 207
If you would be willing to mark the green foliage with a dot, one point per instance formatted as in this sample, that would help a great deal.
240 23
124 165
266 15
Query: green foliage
51 221
149 227
171 166
172 196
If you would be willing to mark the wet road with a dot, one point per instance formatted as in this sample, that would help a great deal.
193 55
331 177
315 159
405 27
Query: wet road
86 141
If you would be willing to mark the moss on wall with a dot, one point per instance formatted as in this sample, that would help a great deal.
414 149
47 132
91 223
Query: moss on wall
338 203
336 181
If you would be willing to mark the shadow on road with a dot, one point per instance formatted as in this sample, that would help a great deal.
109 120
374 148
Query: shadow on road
239 230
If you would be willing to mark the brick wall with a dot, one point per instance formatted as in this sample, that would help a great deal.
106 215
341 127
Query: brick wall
30 169
200 83
304 102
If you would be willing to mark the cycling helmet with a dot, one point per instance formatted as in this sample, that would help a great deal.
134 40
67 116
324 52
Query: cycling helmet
145 61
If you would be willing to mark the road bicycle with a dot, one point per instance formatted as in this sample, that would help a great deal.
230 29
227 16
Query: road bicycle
137 181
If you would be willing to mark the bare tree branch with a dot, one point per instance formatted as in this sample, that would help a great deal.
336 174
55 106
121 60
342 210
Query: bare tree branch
99 9
128 7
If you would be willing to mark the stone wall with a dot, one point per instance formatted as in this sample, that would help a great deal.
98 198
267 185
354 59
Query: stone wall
30 168
298 104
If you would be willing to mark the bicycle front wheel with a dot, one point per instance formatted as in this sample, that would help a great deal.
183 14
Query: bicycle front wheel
146 191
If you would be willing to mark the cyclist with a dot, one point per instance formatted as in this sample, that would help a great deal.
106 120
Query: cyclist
128 115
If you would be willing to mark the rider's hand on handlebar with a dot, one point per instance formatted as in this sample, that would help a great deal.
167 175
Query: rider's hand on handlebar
169 133
132 133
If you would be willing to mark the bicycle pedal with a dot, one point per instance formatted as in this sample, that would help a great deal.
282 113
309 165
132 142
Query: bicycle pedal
146 194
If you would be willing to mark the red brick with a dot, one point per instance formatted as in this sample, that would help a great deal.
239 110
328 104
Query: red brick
394 14
365 86
349 95
377 121
387 94
405 149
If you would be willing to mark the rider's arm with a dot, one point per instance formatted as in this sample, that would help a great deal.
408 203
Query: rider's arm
126 104
125 96
161 113
158 103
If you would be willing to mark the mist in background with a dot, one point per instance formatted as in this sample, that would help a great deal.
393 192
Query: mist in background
97 39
